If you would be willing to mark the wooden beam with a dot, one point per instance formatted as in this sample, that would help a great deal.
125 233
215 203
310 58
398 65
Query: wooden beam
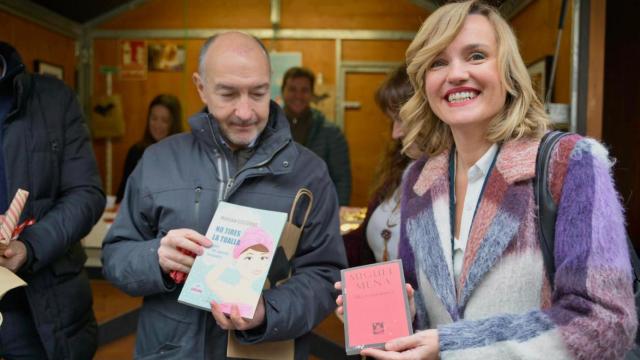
42 16
595 83
128 6
510 8
429 5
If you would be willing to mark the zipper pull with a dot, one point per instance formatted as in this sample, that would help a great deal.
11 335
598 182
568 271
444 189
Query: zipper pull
196 207
198 192
229 186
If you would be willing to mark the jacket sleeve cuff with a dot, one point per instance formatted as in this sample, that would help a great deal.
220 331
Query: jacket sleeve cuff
259 333
26 267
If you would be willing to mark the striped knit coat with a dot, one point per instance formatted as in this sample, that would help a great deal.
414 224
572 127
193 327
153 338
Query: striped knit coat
504 307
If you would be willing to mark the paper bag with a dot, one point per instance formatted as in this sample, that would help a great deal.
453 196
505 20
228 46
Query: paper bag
275 350
8 281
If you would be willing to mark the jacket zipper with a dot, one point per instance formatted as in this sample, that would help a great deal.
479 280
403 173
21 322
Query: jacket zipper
219 160
224 192
228 188
198 191
231 181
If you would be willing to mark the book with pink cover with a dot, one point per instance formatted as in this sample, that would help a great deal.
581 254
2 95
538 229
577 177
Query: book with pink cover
376 307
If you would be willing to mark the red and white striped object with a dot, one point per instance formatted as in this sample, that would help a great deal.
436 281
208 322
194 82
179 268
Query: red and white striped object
10 220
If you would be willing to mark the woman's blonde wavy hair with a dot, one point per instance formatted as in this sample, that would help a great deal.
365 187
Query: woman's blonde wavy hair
523 114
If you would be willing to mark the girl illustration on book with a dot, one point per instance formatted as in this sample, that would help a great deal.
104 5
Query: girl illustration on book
240 283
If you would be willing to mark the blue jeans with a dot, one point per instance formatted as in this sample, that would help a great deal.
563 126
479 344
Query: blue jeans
19 338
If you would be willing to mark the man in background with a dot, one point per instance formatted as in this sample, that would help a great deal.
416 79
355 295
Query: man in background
45 149
310 128
241 152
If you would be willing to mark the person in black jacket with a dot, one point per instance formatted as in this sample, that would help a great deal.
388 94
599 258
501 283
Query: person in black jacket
164 118
45 149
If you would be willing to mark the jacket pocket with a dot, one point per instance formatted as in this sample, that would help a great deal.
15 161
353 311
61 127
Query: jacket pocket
165 351
70 263
165 327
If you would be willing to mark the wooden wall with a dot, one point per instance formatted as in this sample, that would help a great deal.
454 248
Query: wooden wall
34 42
535 28
319 55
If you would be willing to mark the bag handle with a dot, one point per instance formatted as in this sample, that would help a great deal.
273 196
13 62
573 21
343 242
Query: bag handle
301 193
547 208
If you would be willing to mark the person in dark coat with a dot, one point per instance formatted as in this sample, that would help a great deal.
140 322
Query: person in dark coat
241 152
45 149
310 128
164 118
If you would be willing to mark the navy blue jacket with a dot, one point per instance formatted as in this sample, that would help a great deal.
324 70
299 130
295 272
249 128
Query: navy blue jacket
47 152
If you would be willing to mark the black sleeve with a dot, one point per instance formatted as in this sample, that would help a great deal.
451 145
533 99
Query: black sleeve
80 200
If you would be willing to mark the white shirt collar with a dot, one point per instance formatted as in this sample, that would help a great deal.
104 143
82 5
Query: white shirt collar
481 168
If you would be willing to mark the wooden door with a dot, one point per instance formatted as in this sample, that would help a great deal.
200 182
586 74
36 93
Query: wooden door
367 130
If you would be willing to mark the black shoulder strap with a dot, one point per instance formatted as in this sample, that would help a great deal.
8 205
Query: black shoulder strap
547 209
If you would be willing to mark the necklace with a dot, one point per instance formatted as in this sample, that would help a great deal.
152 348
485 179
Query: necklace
386 233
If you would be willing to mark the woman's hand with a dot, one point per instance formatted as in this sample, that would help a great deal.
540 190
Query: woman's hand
410 293
421 345
339 310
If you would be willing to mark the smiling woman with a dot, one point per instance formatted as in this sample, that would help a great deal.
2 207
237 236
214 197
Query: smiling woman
463 83
469 240
164 118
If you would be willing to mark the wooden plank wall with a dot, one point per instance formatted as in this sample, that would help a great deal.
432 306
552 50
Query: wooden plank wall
535 27
319 55
34 42
536 30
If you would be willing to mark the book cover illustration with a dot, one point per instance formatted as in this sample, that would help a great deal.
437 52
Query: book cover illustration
233 270
376 307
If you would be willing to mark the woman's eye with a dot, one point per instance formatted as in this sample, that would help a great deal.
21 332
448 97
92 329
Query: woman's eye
437 63
476 56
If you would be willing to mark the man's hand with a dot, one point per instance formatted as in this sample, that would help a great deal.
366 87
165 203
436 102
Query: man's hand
14 256
235 321
169 255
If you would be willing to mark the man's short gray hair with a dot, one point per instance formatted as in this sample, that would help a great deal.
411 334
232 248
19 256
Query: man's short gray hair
212 39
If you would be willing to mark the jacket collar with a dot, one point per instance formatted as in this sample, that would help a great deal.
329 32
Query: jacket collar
275 137
502 209
15 79
516 162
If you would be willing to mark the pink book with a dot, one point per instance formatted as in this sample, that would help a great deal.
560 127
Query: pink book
376 308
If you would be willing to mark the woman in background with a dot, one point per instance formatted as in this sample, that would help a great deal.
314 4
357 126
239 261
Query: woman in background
164 118
376 239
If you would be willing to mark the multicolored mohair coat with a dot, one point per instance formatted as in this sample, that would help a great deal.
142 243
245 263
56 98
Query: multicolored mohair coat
504 307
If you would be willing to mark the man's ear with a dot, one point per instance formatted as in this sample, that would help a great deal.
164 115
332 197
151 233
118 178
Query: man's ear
199 83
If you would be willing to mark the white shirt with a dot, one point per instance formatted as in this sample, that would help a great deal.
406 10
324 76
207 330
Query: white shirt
476 176
385 216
